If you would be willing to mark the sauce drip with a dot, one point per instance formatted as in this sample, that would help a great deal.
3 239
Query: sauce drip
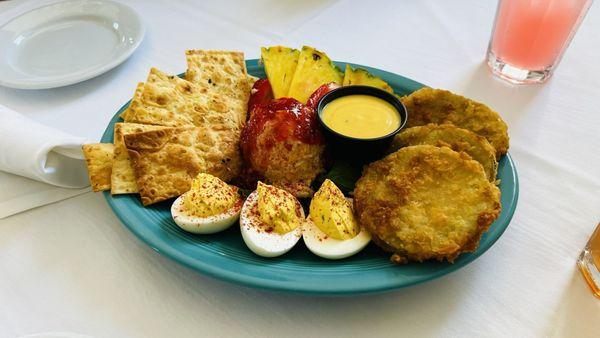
288 119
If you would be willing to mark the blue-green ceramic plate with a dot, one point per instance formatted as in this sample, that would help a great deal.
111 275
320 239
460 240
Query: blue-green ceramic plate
225 256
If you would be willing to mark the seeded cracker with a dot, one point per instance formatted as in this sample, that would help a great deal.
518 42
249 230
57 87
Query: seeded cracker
136 96
99 159
209 116
166 161
167 100
123 177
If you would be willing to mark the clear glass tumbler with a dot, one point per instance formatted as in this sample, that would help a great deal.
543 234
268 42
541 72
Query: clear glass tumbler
530 37
589 262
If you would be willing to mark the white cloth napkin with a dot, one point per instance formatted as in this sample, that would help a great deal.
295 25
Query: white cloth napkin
40 153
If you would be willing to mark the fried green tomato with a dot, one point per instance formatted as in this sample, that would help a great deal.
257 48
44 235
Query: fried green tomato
424 202
428 105
457 139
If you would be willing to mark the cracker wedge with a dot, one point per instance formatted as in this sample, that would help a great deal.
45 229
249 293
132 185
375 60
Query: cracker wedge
136 96
223 71
252 80
99 159
123 177
225 76
165 161
205 114
168 100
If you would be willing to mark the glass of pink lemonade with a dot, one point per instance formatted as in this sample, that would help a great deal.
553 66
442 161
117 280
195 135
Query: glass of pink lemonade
530 36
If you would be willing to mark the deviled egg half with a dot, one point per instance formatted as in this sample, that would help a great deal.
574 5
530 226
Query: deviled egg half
210 206
271 221
331 230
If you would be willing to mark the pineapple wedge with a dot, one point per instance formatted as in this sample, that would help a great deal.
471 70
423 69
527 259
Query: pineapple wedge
280 64
362 77
314 69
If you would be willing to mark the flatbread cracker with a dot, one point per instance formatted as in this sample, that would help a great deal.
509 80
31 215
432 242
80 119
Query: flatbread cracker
206 114
168 100
123 177
165 161
224 71
252 80
225 76
99 159
136 96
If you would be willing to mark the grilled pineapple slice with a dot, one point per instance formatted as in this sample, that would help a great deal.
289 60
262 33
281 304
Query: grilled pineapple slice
280 64
362 77
314 69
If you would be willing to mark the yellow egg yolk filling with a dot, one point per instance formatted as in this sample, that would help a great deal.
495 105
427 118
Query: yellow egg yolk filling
209 196
332 213
277 208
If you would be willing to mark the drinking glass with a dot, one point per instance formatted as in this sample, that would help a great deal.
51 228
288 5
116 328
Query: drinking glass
530 37
589 262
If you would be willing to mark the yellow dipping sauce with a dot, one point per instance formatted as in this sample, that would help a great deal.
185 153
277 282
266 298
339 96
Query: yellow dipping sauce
361 116
209 196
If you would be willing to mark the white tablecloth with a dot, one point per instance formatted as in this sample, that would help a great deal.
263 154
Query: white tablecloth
71 266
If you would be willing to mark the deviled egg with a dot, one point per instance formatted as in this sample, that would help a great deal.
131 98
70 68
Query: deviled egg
271 221
331 230
210 206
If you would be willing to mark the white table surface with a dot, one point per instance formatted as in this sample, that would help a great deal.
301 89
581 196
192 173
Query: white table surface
71 266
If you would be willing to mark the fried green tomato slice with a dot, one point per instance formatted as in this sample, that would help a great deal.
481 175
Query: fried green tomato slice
429 105
457 139
424 202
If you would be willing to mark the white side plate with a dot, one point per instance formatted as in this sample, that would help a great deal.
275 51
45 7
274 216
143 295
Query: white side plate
67 42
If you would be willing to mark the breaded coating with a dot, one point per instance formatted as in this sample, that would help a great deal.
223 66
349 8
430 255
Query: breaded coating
457 139
428 105
424 202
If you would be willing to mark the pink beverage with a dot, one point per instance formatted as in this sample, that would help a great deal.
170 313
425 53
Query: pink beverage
530 36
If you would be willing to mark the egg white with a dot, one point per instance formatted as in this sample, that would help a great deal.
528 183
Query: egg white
324 246
259 241
203 225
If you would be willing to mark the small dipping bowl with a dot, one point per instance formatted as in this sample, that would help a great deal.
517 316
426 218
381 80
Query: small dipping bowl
356 149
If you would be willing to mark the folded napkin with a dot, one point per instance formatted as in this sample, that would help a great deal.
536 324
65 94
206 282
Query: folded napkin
39 152
43 155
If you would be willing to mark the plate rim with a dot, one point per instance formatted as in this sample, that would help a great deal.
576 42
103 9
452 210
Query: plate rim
224 274
62 80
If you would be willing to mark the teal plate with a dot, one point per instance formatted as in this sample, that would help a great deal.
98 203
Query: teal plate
225 256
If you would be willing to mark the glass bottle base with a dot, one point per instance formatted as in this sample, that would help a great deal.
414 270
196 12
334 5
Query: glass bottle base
516 75
590 272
